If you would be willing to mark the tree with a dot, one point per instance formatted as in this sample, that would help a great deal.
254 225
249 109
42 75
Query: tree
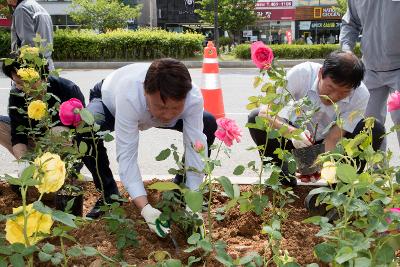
103 14
233 15
341 7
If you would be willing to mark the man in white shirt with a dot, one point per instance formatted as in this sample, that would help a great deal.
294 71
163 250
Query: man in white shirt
339 78
140 96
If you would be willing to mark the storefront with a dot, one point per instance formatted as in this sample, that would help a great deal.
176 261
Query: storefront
322 24
275 21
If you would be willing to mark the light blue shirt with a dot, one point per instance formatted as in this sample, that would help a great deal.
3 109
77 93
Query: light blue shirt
303 81
123 94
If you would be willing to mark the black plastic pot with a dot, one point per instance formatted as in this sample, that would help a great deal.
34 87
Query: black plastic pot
61 199
305 158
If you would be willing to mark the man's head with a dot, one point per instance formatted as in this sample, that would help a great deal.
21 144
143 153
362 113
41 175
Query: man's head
341 73
166 85
12 3
11 71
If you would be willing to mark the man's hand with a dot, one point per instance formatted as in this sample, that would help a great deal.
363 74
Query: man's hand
305 140
152 218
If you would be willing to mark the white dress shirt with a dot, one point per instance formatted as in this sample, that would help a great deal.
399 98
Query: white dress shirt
123 94
303 81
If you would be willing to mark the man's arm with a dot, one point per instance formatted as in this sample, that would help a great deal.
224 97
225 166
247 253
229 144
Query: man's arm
333 137
350 29
24 26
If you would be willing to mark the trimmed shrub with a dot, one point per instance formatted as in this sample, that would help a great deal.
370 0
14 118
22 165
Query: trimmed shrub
5 43
293 51
143 44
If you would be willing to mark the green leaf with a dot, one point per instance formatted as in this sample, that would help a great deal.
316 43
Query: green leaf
385 254
74 251
291 264
57 258
345 254
28 172
3 262
108 137
164 186
193 259
65 218
227 185
194 200
239 170
205 245
312 265
325 252
86 116
39 206
164 154
320 190
48 248
89 251
193 239
362 262
173 263
83 148
17 260
346 173
43 257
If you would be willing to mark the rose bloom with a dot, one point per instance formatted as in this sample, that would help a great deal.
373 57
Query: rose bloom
50 172
228 131
28 75
37 110
198 146
328 172
394 101
29 51
261 55
69 112
37 222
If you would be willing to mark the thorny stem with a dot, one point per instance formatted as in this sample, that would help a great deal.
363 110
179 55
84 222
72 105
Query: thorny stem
95 142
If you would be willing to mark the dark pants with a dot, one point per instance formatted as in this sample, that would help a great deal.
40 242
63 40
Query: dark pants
259 137
107 122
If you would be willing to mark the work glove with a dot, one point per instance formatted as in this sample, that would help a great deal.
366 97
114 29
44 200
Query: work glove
303 140
152 218
200 229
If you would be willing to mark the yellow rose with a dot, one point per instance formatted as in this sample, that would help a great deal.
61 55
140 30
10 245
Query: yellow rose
29 51
37 110
328 172
28 75
50 172
37 223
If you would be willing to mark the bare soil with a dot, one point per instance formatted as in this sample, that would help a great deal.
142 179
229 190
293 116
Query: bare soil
242 232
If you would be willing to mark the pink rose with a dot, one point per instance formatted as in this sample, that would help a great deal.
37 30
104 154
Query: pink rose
394 101
69 112
261 55
228 131
393 210
198 146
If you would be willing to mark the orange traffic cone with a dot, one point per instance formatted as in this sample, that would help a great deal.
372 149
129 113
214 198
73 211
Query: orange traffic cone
211 85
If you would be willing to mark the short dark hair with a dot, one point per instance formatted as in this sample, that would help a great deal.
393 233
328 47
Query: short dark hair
344 68
16 65
170 77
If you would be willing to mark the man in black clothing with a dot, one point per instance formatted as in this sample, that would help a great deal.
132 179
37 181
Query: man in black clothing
17 142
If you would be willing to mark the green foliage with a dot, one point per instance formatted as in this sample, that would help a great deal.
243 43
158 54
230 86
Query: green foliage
5 43
142 44
293 51
103 15
233 15
341 7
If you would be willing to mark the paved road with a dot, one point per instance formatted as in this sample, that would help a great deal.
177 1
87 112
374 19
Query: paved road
237 87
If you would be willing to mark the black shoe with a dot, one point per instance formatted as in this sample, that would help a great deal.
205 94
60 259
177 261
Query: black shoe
320 210
96 212
178 179
289 181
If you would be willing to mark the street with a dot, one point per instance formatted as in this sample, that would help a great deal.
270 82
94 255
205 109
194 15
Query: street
237 87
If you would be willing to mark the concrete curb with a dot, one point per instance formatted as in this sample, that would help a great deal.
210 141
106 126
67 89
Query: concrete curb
190 64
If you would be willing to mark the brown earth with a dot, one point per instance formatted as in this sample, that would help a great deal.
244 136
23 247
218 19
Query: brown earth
241 232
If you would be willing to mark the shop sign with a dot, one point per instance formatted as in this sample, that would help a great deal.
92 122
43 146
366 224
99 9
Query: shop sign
325 12
247 33
326 25
261 5
304 25
276 14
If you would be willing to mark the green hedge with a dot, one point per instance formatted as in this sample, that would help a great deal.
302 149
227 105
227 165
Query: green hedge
292 51
5 43
124 45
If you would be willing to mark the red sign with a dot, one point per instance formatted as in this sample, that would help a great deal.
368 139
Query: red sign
4 22
276 14
274 4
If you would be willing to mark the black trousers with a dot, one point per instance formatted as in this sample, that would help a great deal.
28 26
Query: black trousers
259 137
106 120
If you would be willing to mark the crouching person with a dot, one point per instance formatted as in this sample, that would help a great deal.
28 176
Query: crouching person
340 78
141 96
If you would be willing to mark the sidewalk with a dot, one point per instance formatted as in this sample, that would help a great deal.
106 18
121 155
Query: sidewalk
190 64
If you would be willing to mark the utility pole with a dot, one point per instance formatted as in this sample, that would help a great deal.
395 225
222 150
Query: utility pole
216 32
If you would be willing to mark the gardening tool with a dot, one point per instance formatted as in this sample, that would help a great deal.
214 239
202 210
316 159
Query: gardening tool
159 225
